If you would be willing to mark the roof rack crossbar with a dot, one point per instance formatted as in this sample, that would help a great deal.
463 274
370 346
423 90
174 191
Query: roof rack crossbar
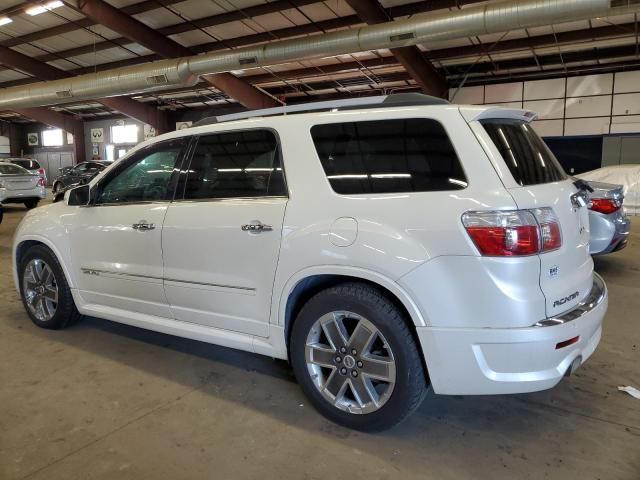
393 100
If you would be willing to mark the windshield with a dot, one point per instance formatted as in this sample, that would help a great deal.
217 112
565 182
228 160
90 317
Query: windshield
10 169
525 153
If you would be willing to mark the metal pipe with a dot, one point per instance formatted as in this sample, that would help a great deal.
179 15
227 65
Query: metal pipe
494 17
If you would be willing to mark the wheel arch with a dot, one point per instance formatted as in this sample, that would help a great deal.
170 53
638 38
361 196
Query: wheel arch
25 244
304 285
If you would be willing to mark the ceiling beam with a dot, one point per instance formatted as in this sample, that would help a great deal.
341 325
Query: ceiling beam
114 19
83 23
220 19
127 106
59 120
420 69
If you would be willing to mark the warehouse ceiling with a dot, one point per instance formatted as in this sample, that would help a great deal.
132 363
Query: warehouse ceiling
43 40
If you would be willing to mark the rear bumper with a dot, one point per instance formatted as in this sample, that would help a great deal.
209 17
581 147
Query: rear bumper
19 196
613 233
466 361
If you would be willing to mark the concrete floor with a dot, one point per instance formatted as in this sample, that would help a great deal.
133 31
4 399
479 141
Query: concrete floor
101 400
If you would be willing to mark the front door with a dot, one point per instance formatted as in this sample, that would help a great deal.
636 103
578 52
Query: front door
116 240
221 240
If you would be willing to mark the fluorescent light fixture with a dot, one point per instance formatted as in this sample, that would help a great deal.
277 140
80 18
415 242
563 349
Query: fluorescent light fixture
5 21
38 9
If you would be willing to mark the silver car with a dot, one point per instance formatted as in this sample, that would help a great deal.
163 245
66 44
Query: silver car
607 220
18 185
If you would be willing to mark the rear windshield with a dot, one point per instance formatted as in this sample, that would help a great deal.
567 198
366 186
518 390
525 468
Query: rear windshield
28 164
10 169
388 156
525 153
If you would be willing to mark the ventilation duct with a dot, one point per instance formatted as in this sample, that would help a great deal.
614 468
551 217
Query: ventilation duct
494 17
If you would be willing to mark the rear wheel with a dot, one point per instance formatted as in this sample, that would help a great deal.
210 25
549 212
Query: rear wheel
44 289
354 356
32 203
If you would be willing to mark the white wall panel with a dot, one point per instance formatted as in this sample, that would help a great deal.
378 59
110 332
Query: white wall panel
627 82
504 92
468 95
590 85
586 126
517 105
548 128
626 104
588 106
543 89
626 124
546 109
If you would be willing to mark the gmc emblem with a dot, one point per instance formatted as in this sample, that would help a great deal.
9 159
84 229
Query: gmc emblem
564 300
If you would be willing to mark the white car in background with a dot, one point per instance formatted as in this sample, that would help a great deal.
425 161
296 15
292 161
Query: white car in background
626 175
382 247
18 185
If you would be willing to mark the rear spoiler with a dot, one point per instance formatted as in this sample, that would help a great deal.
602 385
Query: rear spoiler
480 112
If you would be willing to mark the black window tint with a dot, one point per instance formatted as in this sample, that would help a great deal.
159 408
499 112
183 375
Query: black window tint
525 153
388 156
235 164
146 177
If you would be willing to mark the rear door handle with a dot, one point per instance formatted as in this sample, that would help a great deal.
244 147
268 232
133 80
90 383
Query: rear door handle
256 226
143 226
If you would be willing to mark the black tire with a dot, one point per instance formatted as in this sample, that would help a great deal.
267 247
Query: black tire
66 311
56 187
411 383
33 203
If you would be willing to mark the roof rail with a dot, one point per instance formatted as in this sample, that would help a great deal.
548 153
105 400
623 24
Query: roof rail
393 100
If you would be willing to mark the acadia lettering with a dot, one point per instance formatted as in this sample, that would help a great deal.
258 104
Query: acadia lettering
564 300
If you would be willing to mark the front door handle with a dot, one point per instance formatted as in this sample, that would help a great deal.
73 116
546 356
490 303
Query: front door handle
256 226
143 226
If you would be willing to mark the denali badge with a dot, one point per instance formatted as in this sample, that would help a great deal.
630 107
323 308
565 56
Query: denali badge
564 300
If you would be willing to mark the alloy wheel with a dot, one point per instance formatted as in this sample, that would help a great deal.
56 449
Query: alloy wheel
40 289
350 362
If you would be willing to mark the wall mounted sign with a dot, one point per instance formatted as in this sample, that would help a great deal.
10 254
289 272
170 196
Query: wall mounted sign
183 125
97 135
149 132
33 139
69 138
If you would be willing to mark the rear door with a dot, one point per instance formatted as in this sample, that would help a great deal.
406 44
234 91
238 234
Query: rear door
221 240
535 179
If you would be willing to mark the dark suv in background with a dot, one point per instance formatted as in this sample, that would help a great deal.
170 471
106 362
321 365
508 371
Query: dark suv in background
78 174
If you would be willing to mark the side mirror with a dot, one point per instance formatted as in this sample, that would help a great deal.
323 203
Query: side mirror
79 196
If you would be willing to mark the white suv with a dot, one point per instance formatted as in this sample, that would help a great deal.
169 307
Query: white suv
381 248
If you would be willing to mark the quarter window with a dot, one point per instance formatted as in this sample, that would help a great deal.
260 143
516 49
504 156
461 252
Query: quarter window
235 164
146 178
388 156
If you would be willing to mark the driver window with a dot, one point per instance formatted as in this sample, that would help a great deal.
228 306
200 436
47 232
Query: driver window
146 178
81 167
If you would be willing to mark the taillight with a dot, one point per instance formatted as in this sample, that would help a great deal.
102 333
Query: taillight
513 233
550 237
604 205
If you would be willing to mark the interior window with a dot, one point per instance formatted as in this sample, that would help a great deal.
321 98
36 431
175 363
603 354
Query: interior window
235 164
388 156
146 178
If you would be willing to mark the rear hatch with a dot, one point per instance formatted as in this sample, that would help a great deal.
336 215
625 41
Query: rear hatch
535 179
16 178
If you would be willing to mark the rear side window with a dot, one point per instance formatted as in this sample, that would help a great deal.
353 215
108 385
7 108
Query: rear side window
388 156
235 164
525 153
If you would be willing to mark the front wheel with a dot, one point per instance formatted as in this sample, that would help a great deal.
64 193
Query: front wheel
354 356
44 289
